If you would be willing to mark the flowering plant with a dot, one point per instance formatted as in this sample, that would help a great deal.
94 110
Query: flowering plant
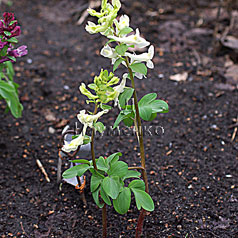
108 175
8 88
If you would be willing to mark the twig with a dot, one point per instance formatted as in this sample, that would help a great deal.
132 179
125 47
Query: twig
215 32
234 134
235 126
197 56
43 170
59 167
92 4
232 126
23 230
228 28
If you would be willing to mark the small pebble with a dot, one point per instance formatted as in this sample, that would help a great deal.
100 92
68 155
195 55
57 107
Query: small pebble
161 76
214 126
51 130
179 227
29 61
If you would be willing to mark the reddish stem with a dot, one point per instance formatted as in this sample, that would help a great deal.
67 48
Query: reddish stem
104 221
140 223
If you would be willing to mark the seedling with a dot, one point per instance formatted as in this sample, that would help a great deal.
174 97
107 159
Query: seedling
109 174
8 88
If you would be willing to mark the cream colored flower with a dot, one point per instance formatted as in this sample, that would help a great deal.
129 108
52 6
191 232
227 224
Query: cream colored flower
74 144
123 22
108 52
87 119
136 40
145 57
119 89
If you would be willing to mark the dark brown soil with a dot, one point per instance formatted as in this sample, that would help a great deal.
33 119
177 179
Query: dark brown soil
192 167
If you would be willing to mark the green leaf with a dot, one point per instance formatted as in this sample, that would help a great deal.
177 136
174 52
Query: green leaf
153 116
125 96
99 127
77 170
113 158
96 198
137 184
132 174
86 140
123 115
10 70
126 30
12 58
12 22
95 182
117 63
145 106
97 173
118 168
7 33
121 49
128 122
7 86
12 100
105 197
143 199
3 51
139 68
110 42
159 106
82 161
145 112
111 186
122 203
147 99
102 165
105 107
13 40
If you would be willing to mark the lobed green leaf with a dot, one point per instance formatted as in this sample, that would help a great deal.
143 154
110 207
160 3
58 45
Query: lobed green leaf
122 203
139 68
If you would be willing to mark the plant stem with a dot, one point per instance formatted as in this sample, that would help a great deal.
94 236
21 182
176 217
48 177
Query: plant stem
104 209
92 142
140 133
136 167
140 222
104 221
141 218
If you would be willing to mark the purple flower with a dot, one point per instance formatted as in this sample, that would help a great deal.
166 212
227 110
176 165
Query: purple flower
19 52
9 24
16 31
8 17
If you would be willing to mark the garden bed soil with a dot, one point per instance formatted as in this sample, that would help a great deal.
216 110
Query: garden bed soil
192 166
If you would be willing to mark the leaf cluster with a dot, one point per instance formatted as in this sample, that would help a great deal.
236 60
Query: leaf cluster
108 183
8 89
